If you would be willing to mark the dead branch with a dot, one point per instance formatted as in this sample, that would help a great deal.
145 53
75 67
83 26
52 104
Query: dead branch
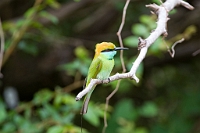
196 52
172 51
162 12
122 62
2 47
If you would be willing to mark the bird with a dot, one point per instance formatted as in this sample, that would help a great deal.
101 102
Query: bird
100 67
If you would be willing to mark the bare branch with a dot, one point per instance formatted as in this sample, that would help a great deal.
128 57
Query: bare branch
17 36
98 81
122 62
172 51
162 12
107 103
2 47
119 34
196 52
186 5
73 86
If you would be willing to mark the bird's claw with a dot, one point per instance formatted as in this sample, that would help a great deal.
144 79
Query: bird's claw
106 81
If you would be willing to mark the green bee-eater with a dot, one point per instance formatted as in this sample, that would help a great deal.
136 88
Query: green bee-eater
100 67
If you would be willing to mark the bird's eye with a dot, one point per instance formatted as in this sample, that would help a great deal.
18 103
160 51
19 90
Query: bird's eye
107 50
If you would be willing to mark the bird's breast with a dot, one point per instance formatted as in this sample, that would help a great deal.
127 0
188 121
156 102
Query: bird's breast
106 69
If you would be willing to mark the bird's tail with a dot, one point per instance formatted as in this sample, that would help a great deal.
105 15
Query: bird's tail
86 102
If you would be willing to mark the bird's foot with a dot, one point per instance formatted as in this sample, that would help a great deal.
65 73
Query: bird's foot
105 82
108 80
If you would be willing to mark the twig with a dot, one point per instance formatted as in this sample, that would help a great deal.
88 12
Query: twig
73 86
2 47
172 51
17 36
162 12
196 52
122 62
119 34
106 106
186 5
160 30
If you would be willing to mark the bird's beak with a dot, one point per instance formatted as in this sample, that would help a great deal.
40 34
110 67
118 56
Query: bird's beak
120 48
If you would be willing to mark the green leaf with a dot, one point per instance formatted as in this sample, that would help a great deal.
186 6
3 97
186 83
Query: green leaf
156 47
53 3
28 48
140 69
124 109
82 53
125 126
30 12
173 11
55 129
140 30
3 113
49 16
131 41
149 109
68 100
9 127
92 116
156 1
43 96
149 21
141 130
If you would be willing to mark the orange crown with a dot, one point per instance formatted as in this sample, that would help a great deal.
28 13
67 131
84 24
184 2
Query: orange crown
103 46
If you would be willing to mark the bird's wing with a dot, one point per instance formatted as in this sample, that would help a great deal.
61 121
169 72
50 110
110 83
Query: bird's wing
94 69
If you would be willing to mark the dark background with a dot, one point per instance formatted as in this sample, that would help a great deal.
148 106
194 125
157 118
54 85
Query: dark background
40 60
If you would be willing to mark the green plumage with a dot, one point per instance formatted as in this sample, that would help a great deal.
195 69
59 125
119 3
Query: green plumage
100 67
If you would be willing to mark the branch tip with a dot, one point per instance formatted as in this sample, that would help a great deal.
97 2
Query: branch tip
165 34
135 78
154 8
77 98
172 52
186 5
196 53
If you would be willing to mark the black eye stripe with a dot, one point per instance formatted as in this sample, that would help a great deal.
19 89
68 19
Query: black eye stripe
107 50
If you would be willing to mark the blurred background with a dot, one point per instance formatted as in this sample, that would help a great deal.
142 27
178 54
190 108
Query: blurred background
49 45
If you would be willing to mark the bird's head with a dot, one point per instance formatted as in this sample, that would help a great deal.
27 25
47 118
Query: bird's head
107 48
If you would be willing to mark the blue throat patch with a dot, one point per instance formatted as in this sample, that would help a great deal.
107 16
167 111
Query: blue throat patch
109 55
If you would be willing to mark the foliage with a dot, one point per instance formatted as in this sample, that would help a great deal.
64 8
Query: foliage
165 101
177 114
18 29
49 111
143 29
82 59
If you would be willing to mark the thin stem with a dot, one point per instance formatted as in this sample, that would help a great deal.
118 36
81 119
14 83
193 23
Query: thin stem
2 47
73 86
106 106
172 51
119 34
196 52
122 62
17 36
